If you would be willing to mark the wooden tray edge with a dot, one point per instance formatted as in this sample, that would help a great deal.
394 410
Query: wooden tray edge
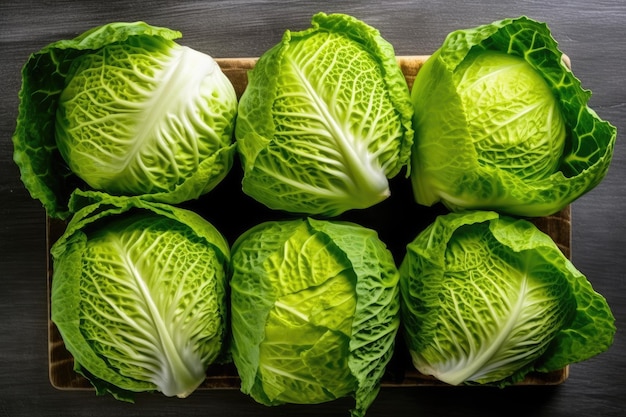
60 363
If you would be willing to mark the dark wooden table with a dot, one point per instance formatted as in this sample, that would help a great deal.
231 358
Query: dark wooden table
593 34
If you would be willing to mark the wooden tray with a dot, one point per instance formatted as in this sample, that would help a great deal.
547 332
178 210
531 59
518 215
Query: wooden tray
400 372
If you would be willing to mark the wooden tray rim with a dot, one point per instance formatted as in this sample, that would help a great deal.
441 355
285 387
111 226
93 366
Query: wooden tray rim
60 362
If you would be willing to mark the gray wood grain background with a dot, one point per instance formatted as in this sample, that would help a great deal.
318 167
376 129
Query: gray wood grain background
593 34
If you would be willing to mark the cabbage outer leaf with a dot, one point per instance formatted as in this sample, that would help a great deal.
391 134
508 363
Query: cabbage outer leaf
488 299
141 301
164 165
314 312
445 165
325 119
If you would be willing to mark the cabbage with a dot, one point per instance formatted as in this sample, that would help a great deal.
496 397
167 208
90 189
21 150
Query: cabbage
325 120
125 110
486 299
502 124
314 308
513 118
139 294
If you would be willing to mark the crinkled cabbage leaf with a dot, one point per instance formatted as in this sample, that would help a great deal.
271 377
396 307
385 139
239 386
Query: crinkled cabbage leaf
139 294
487 299
325 119
125 110
488 135
315 311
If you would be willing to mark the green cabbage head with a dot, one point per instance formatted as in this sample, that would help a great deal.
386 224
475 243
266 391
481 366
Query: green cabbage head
325 119
487 299
501 123
125 110
315 311
139 295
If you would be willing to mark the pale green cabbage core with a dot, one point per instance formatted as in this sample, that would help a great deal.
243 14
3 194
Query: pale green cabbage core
513 117
141 116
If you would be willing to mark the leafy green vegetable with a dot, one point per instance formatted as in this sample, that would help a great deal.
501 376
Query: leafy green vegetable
314 308
325 119
513 117
488 299
502 124
139 294
123 109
